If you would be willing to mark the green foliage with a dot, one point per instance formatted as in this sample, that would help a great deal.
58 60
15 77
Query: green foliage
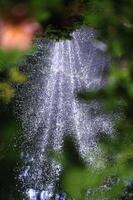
9 155
114 21
106 179
41 10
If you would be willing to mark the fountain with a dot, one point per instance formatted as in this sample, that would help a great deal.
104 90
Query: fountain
49 108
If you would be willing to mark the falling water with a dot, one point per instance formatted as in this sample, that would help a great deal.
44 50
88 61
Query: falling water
49 108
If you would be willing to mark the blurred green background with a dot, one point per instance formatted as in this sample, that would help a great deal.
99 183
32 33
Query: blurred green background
57 19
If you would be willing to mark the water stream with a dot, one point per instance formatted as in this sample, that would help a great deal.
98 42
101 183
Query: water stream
49 108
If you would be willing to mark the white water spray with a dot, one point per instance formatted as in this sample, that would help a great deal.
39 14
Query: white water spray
50 109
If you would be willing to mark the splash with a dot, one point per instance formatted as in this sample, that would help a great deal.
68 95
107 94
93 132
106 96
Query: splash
49 108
